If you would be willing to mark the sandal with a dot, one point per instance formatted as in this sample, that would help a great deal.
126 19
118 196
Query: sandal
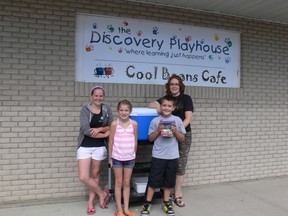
130 214
105 201
179 202
91 211
119 214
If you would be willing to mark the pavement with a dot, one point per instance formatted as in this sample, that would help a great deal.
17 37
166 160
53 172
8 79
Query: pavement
265 197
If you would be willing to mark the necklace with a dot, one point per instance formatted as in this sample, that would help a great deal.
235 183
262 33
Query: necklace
177 103
124 125
176 99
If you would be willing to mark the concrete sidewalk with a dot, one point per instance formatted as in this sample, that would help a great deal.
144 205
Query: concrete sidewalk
267 197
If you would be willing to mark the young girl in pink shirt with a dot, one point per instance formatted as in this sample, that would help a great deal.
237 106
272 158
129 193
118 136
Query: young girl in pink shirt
122 151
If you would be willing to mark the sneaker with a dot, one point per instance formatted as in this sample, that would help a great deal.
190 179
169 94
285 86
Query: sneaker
146 209
168 209
171 199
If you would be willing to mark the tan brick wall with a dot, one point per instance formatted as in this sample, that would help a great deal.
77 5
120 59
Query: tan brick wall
238 134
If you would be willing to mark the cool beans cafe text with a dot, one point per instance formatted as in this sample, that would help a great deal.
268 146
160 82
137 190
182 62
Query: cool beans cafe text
206 76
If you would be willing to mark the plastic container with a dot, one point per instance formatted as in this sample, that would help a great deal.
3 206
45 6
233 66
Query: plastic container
143 116
140 184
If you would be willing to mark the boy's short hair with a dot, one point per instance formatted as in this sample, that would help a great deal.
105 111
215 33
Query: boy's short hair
168 98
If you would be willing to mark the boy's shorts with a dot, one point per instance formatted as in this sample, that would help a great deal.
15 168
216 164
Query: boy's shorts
162 173
96 153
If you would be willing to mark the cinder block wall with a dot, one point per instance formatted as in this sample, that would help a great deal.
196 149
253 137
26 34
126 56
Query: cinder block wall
238 134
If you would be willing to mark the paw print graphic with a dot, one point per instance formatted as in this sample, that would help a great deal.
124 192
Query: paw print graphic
228 59
155 30
120 50
110 28
125 23
139 33
89 48
216 37
210 57
202 41
94 25
228 42
188 38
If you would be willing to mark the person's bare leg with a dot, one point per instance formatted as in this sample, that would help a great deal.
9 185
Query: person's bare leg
118 172
178 191
95 174
167 192
178 185
150 194
126 189
84 176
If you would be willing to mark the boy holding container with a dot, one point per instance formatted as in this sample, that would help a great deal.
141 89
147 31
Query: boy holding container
165 131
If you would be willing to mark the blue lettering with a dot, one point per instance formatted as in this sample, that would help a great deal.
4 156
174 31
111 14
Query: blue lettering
128 41
159 43
137 42
117 40
226 50
95 34
197 46
172 43
146 43
206 48
114 40
106 39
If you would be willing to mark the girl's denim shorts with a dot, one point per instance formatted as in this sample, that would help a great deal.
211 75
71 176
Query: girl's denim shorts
125 164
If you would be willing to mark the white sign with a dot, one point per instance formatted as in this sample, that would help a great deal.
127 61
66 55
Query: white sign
120 50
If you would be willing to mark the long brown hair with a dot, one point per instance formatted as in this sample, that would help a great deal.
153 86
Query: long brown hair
181 84
124 102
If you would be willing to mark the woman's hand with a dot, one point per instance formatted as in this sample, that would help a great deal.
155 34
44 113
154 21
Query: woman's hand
94 131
